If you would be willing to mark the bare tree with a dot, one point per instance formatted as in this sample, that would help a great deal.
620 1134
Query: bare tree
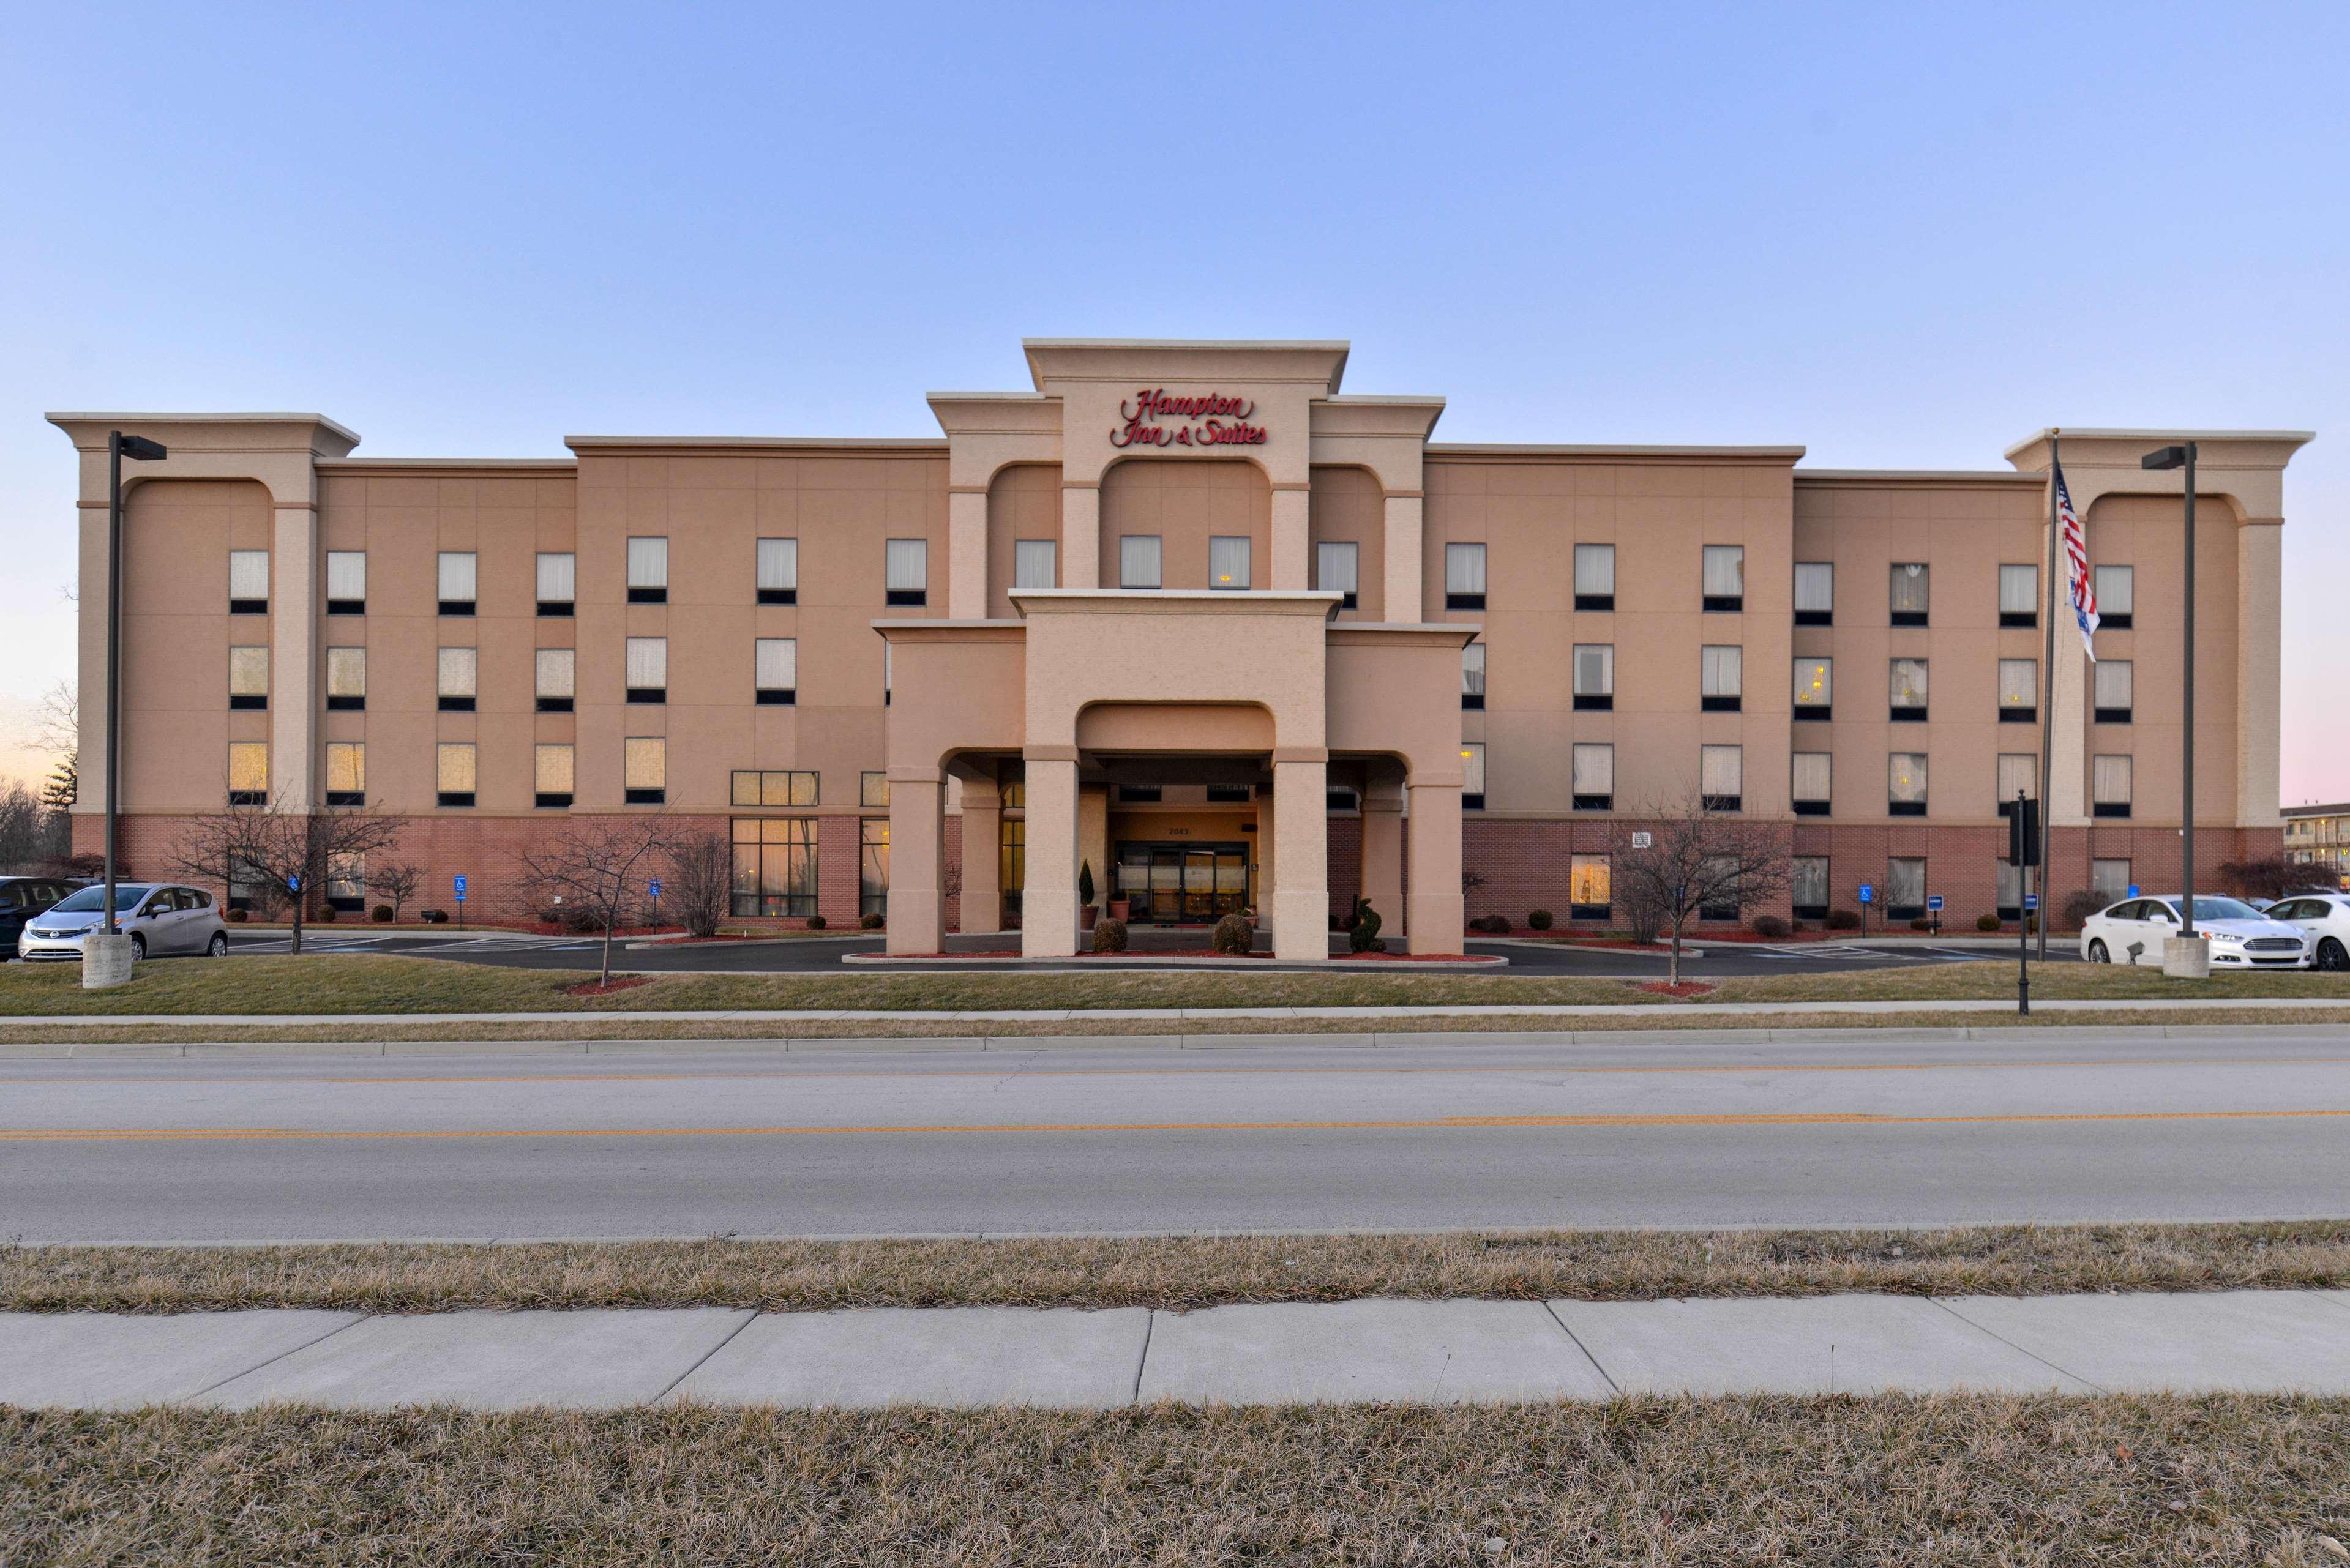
26 839
57 731
397 882
290 851
1699 860
701 888
602 865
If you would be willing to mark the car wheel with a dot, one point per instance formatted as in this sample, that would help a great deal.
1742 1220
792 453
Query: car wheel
2097 953
2333 955
137 948
218 946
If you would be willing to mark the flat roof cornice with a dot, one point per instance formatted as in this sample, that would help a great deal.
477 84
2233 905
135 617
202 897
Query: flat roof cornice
1949 476
565 465
799 446
1464 451
2087 432
321 420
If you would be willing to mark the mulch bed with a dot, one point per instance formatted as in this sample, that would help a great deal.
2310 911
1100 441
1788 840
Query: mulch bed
1686 988
625 982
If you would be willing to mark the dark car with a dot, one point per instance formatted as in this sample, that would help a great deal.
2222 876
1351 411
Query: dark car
22 898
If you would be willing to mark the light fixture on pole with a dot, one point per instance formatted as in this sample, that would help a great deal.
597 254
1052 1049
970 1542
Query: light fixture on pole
2182 456
110 963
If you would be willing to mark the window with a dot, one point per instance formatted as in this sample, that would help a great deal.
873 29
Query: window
1721 679
774 788
1595 577
1472 675
1592 777
1464 576
2113 685
459 575
1138 561
776 669
2110 879
1336 568
248 884
2019 595
908 567
873 791
1814 593
1473 776
2116 591
1036 563
2018 773
2019 690
458 679
1905 887
346 581
646 671
556 678
1721 901
552 775
248 774
248 582
644 770
2006 896
1910 594
346 679
1908 690
248 677
1011 861
889 663
346 882
1814 689
1590 886
558 582
873 866
648 570
1140 794
1230 794
1811 773
1809 885
345 773
1228 561
775 866
2109 785
1723 583
1721 777
1906 785
454 778
778 566
1595 676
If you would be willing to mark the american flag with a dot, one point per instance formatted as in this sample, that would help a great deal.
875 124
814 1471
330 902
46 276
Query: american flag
2076 567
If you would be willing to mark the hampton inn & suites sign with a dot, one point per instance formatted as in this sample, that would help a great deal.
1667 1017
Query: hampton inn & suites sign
1195 418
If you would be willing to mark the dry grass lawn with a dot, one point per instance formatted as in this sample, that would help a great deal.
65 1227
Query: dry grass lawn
1940 1481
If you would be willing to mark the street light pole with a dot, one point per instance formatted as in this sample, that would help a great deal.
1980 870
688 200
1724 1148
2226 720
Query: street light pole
138 449
2182 456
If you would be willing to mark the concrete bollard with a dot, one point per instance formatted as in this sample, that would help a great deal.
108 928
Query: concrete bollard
2187 958
105 960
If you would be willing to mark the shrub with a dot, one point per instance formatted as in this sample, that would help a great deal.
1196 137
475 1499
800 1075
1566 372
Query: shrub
2080 905
1085 884
381 914
1922 924
1110 935
1363 933
1539 920
433 916
1987 922
1233 934
1770 926
872 920
577 918
816 922
237 917
1842 920
329 914
1498 925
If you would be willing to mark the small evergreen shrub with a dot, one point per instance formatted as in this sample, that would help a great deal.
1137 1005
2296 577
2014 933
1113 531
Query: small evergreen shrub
1842 920
1540 920
237 917
1233 934
434 916
872 920
1363 932
1987 922
1770 926
1497 925
1110 935
381 914
816 922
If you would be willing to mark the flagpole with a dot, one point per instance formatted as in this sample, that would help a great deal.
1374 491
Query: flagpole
2048 690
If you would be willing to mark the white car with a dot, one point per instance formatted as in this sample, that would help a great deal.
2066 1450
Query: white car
2134 931
2324 919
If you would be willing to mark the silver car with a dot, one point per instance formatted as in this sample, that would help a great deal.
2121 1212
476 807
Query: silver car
161 921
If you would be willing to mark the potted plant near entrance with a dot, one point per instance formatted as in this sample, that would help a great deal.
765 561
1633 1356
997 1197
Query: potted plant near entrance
1087 911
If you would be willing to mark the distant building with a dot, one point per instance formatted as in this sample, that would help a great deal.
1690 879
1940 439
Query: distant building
2320 835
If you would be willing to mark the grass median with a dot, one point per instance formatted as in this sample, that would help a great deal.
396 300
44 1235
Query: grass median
1180 1272
1951 1479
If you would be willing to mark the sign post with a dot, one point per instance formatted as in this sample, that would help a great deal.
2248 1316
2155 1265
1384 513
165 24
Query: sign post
2023 854
460 900
653 887
1934 910
1868 896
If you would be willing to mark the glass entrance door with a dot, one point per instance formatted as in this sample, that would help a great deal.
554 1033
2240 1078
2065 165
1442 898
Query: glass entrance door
1183 884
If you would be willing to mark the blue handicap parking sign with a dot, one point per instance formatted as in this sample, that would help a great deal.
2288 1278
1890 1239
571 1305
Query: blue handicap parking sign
1934 902
2032 901
293 883
1867 893
656 888
2133 890
460 887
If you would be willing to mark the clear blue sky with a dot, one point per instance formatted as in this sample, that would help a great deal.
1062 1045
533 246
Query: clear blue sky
1902 235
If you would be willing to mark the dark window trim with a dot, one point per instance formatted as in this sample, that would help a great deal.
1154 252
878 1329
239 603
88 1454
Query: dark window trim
1724 603
1720 705
2109 808
778 696
346 606
556 704
1904 912
248 606
1905 808
650 696
2006 807
550 800
1811 911
552 609
1595 803
2117 622
2026 618
1594 601
1811 808
1815 617
456 607
1346 600
453 797
909 596
2008 913
1724 803
779 596
646 796
1233 794
1907 715
248 797
1336 798
2112 715
346 903
1464 601
1590 912
1472 700
456 704
346 704
2014 715
649 596
1470 802
1141 794
1589 702
1906 617
1814 713
1717 911
346 797
249 701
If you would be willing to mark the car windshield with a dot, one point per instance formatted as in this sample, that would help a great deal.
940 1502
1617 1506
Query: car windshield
90 900
2219 910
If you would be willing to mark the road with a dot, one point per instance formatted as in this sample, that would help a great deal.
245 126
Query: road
1281 1135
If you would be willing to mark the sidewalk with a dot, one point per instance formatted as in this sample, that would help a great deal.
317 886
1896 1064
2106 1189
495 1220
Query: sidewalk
1339 1353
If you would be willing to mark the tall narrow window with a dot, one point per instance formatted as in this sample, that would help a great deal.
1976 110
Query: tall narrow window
1724 580
649 569
248 773
1036 563
2019 690
556 678
1589 886
873 790
644 770
1595 577
558 582
2109 785
1906 785
2018 773
1721 777
1228 561
647 669
346 882
776 865
1473 776
1464 576
1721 678
1814 593
1814 689
888 671
454 773
2110 879
1905 887
459 680
248 677
1910 595
1595 676
1809 886
2114 690
2116 589
1907 684
1335 565
551 782
778 567
248 582
909 572
873 866
2019 595
1592 776
1812 774
460 581
777 674
345 773
1138 561
1472 675
346 679
346 581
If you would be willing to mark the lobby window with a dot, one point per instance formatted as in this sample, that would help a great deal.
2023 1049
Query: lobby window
2116 590
454 776
2018 773
873 791
1473 776
2109 785
1011 861
346 679
774 787
2114 692
1336 567
345 883
1810 777
2019 690
1228 561
248 677
248 773
558 582
1138 561
1809 886
1905 887
460 575
2007 897
908 567
1464 576
1232 794
1595 577
649 569
889 670
775 866
1036 563
1472 675
1590 886
777 563
458 680
1906 690
1723 583
646 668
1591 776
1814 593
248 582
552 777
1815 688
776 669
1909 593
1906 785
555 679
346 581
345 773
2019 595
1721 677
644 770
1140 794
1721 902
1721 777
1595 676
873 866
2109 879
